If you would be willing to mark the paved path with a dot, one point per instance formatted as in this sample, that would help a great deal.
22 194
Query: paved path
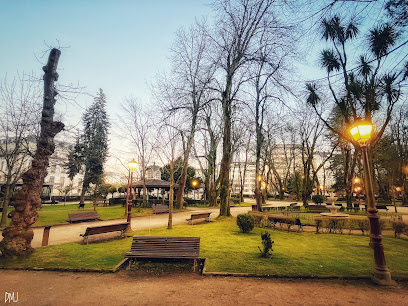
70 232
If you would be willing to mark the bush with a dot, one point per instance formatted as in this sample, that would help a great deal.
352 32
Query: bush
266 244
318 199
116 201
245 223
399 227
362 224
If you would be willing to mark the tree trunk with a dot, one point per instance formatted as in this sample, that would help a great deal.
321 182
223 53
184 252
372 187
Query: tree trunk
225 162
6 202
82 196
182 185
18 235
171 196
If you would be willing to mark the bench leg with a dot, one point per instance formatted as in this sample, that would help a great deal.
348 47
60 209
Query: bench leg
195 264
130 263
207 219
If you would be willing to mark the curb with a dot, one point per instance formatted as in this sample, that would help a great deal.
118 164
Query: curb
254 275
60 269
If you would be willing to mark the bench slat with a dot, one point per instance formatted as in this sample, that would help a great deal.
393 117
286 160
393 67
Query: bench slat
94 230
93 215
164 247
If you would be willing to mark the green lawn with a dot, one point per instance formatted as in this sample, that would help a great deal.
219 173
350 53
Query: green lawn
228 250
58 214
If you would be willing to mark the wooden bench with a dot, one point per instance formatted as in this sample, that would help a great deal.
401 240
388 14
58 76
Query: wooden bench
85 216
282 219
102 201
382 207
159 208
299 224
153 247
205 216
377 206
317 208
95 230
293 206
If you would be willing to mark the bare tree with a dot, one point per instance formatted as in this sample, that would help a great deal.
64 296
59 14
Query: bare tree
20 104
187 90
265 88
310 131
169 150
279 154
240 27
210 135
18 235
139 132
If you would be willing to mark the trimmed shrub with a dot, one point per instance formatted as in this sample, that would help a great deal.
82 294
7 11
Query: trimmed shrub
266 244
399 227
116 201
362 224
318 199
245 223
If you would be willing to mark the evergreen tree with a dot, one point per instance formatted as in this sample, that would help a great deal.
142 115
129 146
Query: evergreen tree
91 149
178 165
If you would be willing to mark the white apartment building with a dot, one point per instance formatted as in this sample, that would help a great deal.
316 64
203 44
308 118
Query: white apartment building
57 177
282 162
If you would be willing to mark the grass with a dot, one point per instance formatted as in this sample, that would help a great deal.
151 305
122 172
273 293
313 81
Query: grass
103 256
58 214
228 250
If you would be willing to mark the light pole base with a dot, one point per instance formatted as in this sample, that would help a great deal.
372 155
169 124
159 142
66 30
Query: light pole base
129 228
383 278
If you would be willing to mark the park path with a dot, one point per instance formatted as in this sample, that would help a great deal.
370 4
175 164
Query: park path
70 232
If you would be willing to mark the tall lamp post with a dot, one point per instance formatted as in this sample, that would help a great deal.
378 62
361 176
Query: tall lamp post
194 183
361 133
132 167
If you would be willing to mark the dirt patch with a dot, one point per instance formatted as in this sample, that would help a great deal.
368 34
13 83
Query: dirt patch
185 288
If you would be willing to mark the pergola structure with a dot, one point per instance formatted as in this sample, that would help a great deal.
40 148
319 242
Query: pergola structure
151 185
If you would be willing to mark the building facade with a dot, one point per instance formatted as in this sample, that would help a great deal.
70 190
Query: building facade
57 178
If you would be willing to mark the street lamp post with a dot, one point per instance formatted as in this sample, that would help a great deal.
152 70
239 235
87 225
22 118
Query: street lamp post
194 183
132 167
361 133
395 193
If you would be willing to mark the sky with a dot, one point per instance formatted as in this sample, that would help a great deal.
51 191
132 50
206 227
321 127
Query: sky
118 46
115 45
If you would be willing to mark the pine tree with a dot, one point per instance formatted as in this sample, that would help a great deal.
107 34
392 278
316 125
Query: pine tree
91 150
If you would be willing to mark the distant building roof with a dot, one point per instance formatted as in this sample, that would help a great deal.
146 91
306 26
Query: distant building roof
154 184
154 168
